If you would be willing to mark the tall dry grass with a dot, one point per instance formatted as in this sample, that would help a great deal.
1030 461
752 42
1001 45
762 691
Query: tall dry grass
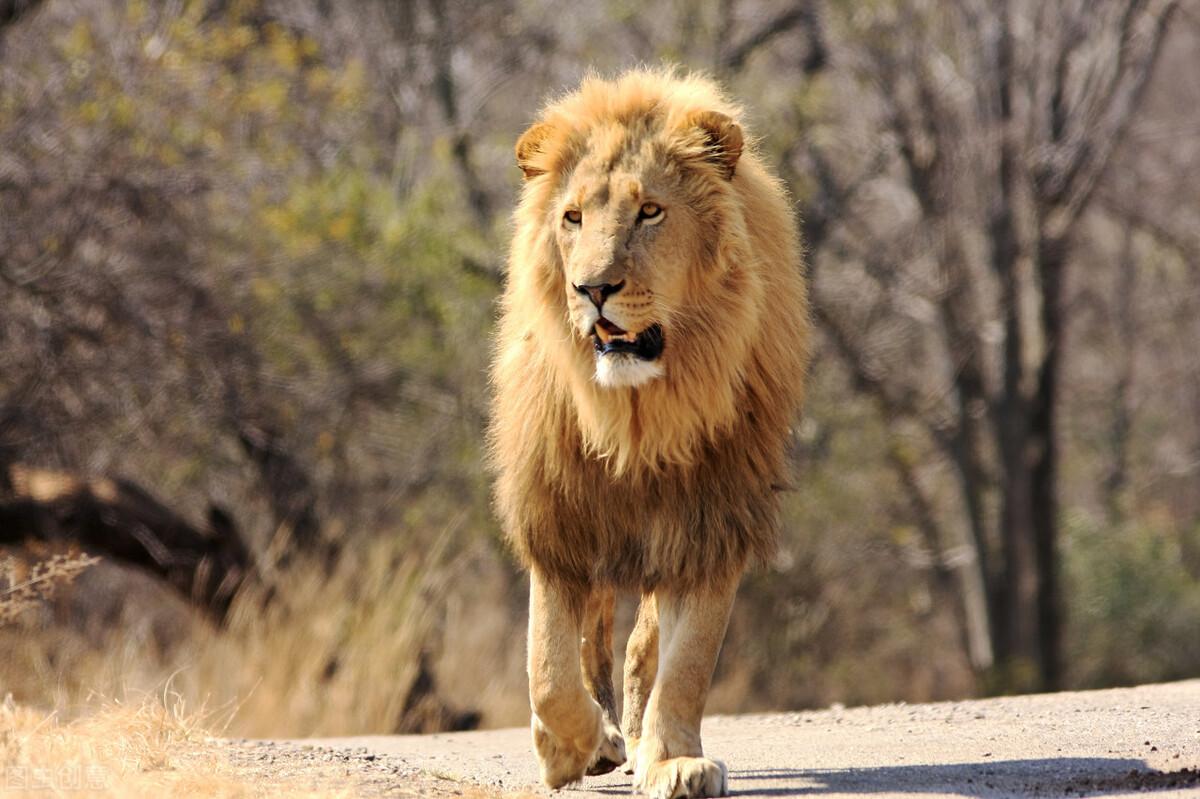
314 651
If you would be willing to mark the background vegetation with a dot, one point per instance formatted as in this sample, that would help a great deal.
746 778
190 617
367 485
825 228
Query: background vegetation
249 253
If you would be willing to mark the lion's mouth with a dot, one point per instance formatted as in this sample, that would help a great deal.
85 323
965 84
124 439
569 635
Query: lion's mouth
611 340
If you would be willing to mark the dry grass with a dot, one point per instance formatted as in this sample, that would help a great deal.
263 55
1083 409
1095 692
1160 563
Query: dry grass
25 586
331 653
154 748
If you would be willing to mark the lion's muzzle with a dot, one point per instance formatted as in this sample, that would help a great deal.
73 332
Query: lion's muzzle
612 340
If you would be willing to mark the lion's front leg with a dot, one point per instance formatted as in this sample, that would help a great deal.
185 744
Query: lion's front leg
568 728
670 759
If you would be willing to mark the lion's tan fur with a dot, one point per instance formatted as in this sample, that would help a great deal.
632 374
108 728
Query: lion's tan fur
673 482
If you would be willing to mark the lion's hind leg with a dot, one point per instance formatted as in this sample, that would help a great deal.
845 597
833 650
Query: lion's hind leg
596 658
641 664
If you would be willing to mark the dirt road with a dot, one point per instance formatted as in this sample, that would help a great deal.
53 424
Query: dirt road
1115 742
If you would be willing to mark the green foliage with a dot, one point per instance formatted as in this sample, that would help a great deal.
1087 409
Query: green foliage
1134 601
387 272
365 302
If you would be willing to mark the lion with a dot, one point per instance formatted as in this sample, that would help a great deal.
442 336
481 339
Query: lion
650 360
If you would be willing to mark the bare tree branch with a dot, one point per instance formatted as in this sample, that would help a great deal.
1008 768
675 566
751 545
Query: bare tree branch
1066 189
805 14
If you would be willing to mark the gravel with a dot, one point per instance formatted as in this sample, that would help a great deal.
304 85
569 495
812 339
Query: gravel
1119 742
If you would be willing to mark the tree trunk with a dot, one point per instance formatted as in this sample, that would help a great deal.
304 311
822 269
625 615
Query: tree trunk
1044 439
1117 479
121 521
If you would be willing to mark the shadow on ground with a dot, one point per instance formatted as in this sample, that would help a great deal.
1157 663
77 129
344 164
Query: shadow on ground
1055 776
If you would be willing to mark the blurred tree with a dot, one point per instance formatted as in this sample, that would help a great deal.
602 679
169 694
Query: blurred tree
197 235
13 10
1003 119
248 253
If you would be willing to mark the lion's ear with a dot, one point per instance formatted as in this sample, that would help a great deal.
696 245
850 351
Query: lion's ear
529 148
724 138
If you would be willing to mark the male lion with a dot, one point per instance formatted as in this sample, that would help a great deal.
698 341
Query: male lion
651 356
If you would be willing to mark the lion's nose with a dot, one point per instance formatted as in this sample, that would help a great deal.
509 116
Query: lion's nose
600 292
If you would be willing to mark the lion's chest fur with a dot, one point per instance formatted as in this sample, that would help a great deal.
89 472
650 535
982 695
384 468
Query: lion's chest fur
679 526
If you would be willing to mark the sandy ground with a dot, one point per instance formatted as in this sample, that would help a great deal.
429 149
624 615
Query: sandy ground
1116 742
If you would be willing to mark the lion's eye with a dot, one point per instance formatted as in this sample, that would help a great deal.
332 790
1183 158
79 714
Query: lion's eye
573 217
650 213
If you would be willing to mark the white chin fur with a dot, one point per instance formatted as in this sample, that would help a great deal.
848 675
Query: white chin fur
621 370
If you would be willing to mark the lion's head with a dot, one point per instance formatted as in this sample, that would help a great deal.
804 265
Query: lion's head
629 235
646 240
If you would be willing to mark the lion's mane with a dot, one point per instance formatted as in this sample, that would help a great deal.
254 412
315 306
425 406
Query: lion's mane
675 481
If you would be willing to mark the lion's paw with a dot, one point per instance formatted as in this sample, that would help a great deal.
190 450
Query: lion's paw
680 777
631 746
610 754
563 761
